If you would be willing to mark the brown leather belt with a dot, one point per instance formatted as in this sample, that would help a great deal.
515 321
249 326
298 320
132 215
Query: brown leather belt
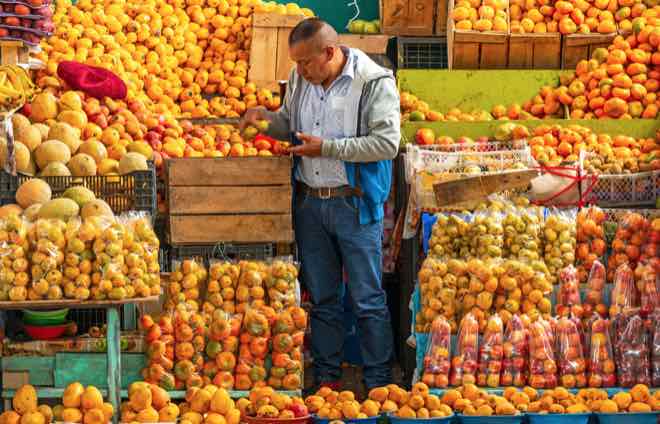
325 193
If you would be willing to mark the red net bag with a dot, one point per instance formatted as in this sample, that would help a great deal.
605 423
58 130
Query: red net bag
631 349
436 359
159 340
568 298
491 353
631 234
464 363
591 245
516 351
572 366
624 292
593 301
655 350
601 358
542 364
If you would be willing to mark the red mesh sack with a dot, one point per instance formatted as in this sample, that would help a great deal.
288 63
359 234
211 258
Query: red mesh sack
490 353
464 363
436 359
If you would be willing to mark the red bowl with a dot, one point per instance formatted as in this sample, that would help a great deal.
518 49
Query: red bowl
46 332
259 420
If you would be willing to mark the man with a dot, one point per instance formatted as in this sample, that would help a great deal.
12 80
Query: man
344 110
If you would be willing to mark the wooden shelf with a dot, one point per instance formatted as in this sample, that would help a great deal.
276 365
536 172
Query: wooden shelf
74 304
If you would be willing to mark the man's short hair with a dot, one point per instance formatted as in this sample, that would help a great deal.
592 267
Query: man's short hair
306 30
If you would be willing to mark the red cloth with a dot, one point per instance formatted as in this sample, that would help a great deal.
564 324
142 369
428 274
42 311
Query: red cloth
94 81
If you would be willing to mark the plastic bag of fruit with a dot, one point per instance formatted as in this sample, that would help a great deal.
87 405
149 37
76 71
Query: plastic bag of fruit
187 282
464 363
559 236
108 279
449 236
282 284
515 353
159 352
647 277
486 235
655 348
289 327
482 285
631 233
591 244
631 349
534 301
47 243
601 358
438 351
78 258
491 353
439 285
542 364
190 344
570 358
142 254
14 256
250 291
522 234
594 298
222 348
624 294
221 287
568 298
253 349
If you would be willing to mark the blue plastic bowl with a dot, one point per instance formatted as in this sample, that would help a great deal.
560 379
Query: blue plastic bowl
494 419
628 418
558 418
381 419
444 420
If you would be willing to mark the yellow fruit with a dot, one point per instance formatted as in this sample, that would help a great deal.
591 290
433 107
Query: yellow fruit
76 119
33 418
132 162
62 209
639 407
147 415
221 402
44 107
25 400
67 134
30 136
608 407
47 412
91 398
94 416
72 415
33 191
52 151
10 417
623 400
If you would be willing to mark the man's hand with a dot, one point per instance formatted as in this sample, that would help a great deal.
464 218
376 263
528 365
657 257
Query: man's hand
252 116
311 147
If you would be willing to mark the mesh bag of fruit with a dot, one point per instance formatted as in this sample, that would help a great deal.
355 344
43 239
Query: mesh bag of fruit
542 364
159 339
438 351
655 348
47 243
515 352
601 358
288 338
14 265
108 279
78 258
559 235
222 348
631 234
142 257
464 363
486 235
527 289
570 354
522 234
253 350
221 287
282 284
190 344
250 291
624 294
594 301
449 236
648 285
187 283
631 349
491 353
482 286
591 244
568 298
438 286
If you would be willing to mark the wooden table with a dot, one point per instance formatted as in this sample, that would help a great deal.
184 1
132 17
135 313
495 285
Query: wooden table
113 338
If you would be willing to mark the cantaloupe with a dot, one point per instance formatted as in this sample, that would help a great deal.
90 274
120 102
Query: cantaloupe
66 134
82 165
19 122
96 207
44 107
63 209
30 136
55 169
33 191
95 149
131 162
43 130
52 151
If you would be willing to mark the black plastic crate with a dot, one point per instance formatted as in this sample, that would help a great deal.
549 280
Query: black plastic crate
422 52
257 251
123 193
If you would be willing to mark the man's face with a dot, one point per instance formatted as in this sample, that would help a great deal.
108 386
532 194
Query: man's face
312 62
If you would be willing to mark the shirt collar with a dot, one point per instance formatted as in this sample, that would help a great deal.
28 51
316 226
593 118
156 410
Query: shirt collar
349 67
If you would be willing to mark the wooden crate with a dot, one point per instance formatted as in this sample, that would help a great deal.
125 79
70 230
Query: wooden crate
441 16
407 17
240 200
13 53
475 50
576 47
534 51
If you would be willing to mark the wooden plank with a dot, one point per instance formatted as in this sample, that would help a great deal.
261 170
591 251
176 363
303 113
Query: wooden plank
9 54
393 14
275 20
576 47
407 17
210 229
493 56
481 186
547 52
236 171
263 54
73 303
490 37
39 369
521 52
91 368
217 200
441 12
370 44
465 55
283 64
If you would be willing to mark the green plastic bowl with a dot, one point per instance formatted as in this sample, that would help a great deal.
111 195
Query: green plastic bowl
42 318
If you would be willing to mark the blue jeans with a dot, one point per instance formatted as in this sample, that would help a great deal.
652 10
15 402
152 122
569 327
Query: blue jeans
331 239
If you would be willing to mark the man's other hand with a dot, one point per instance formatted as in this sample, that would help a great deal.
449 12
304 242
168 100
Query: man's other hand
252 116
311 146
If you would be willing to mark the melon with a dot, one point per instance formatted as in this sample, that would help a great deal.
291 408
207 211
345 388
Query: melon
55 169
52 151
79 194
95 149
75 118
82 165
30 136
33 191
19 122
131 162
108 167
43 129
70 100
66 134
44 107
62 209
32 212
10 209
142 148
96 207
21 155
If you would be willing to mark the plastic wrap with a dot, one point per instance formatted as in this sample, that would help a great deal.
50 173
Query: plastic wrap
594 302
464 362
190 344
79 258
142 254
631 349
47 243
222 347
631 234
515 351
570 354
250 291
601 358
527 290
281 284
253 350
559 234
624 294
486 235
482 285
542 364
438 351
568 298
286 371
655 349
449 236
186 283
439 285
221 287
591 244
14 265
109 280
159 339
648 285
522 234
491 353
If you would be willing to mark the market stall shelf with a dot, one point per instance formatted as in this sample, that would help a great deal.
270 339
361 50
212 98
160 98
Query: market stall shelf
535 51
14 53
576 47
411 17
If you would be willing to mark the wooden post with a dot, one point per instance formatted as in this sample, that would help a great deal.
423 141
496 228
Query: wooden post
114 360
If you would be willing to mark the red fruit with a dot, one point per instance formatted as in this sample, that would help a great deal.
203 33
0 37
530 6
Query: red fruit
424 136
27 107
20 9
298 410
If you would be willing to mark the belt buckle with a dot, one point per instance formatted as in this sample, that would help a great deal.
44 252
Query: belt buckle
323 196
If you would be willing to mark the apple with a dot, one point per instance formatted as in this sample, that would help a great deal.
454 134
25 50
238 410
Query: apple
299 410
424 136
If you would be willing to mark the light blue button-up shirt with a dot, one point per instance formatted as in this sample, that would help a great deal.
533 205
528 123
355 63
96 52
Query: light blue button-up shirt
322 115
